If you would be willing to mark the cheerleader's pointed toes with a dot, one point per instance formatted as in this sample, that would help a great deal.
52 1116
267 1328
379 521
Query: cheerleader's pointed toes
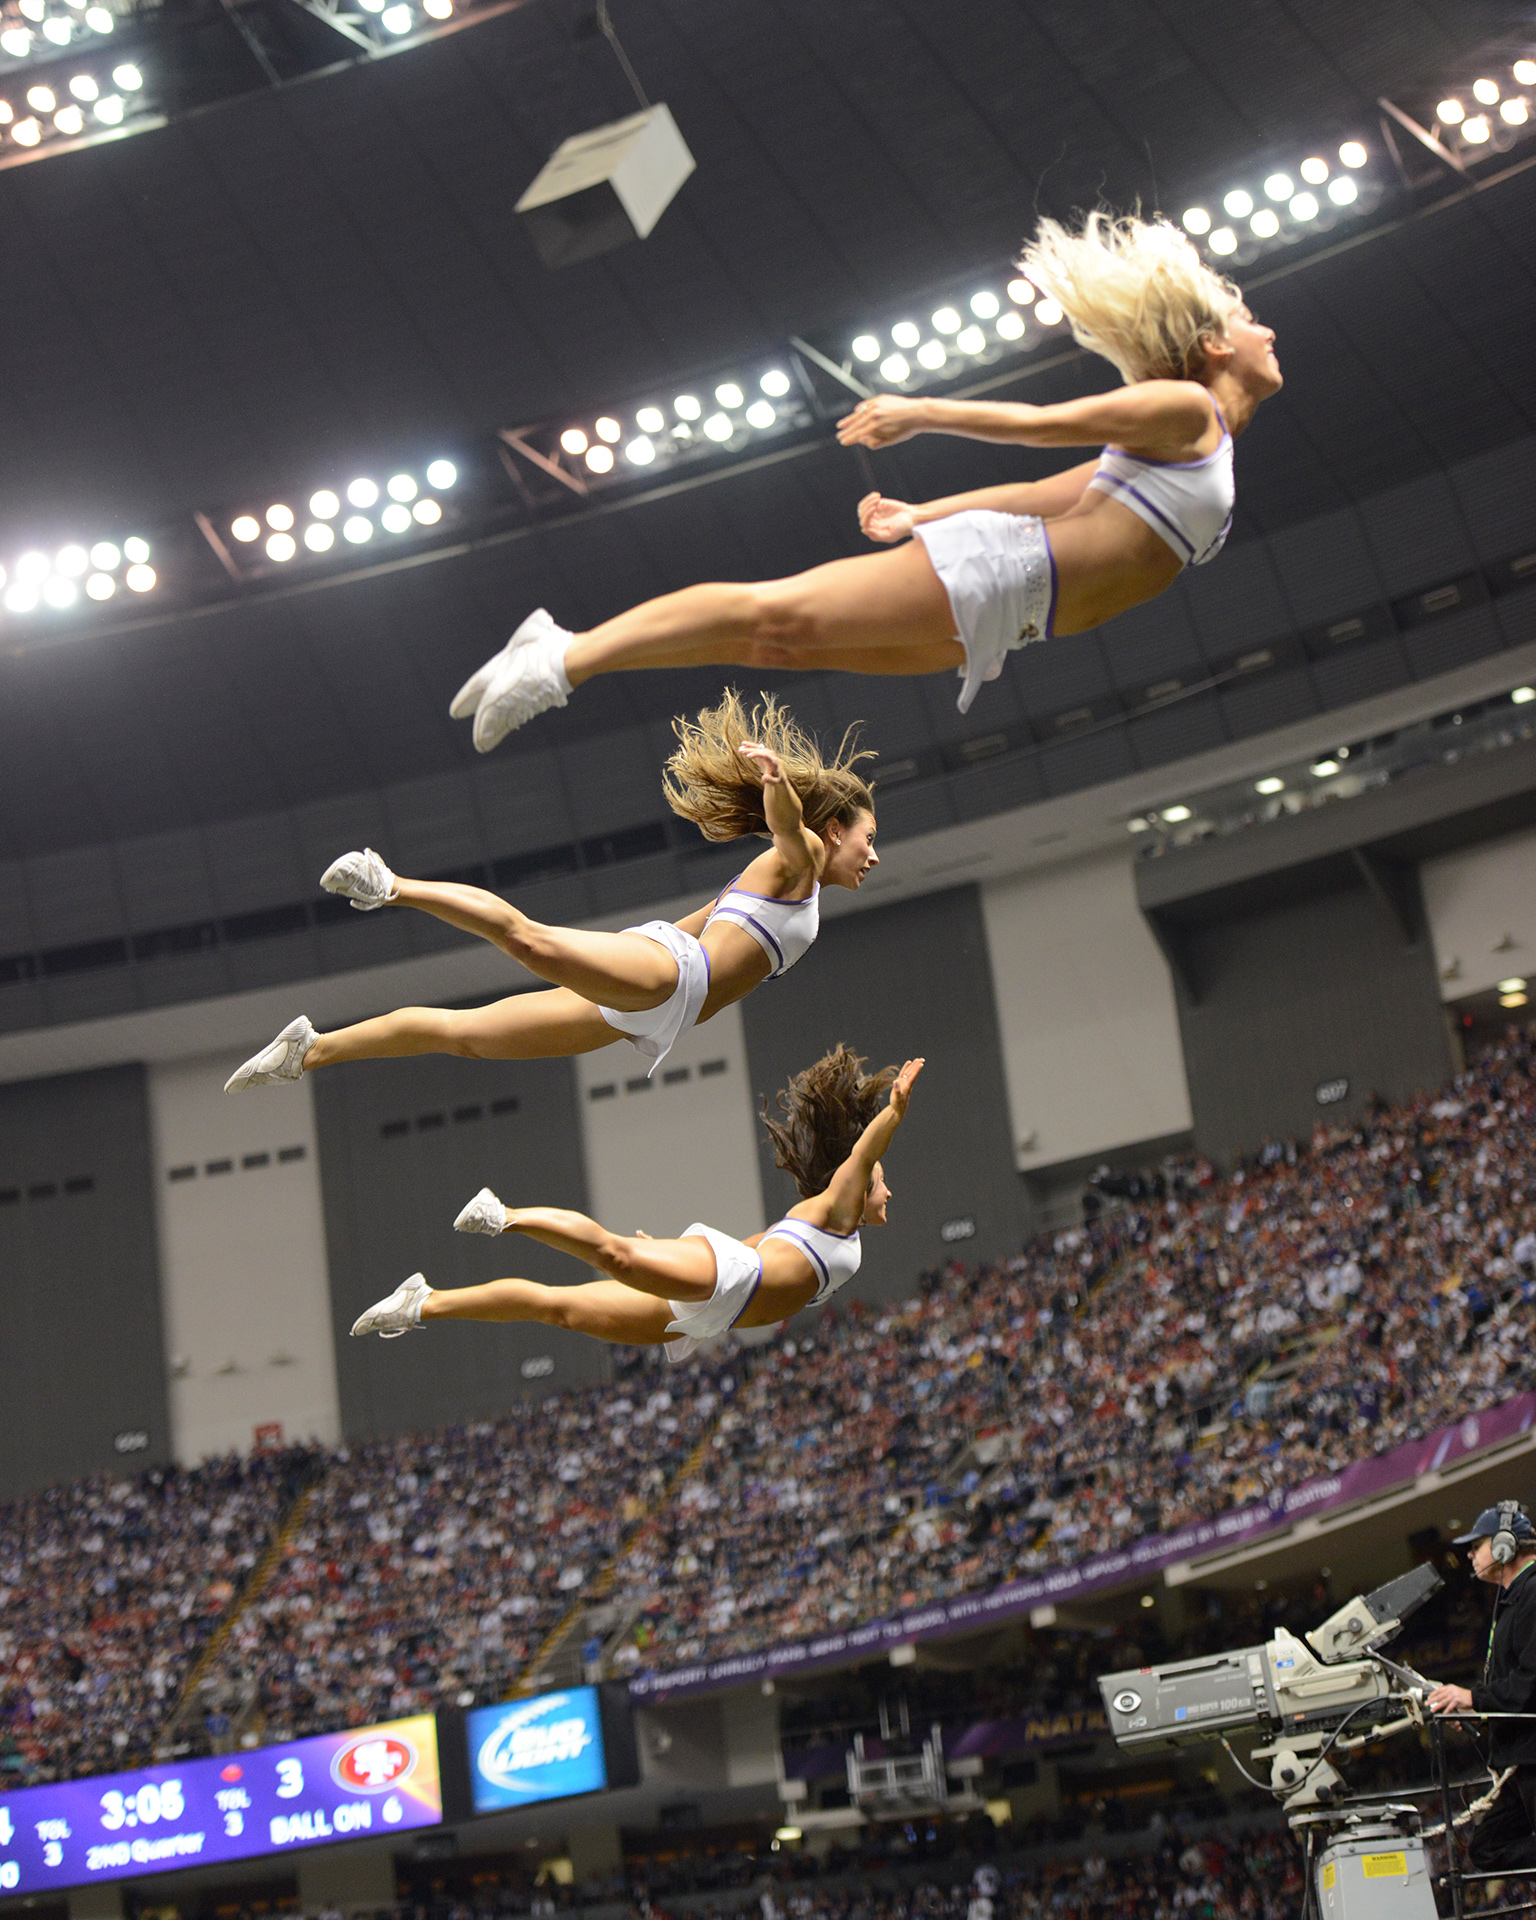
484 1214
397 1313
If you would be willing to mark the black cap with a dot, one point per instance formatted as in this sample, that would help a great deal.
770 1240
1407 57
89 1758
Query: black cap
1495 1520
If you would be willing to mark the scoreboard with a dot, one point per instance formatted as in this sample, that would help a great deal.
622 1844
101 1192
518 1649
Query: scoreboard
264 1800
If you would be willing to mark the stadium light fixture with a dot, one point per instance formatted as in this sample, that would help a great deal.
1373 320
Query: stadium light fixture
42 113
1324 769
1512 1000
252 542
1271 783
734 412
37 582
1512 985
1523 696
1176 816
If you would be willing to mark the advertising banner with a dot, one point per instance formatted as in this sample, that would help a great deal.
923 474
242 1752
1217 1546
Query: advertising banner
337 1786
546 1748
1241 1526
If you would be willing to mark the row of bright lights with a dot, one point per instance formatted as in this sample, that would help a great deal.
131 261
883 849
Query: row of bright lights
1271 784
1514 109
689 417
399 18
69 119
967 337
600 446
57 29
1302 204
39 579
408 507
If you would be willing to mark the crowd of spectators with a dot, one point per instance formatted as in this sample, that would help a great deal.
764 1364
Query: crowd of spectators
1255 1875
1209 1342
426 1570
108 1589
1239 1335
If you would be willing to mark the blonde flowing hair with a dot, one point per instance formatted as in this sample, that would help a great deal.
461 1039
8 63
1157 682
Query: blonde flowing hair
824 1110
708 781
1135 291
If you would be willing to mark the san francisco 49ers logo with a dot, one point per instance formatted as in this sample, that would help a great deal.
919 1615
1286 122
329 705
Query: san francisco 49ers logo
373 1763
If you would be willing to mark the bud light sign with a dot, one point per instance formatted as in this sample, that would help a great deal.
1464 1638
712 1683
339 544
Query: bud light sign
546 1748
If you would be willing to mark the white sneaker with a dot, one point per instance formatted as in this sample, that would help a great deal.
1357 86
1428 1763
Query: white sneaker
538 624
484 1214
528 682
363 878
399 1313
282 1060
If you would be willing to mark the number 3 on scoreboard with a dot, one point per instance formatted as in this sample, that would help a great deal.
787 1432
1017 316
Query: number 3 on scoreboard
290 1779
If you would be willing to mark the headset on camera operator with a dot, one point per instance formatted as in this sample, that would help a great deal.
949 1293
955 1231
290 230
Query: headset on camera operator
1503 1543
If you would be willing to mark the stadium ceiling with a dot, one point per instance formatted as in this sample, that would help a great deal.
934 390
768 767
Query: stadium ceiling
287 285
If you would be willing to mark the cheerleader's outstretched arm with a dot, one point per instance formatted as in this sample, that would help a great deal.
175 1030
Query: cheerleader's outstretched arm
1149 415
845 1196
887 520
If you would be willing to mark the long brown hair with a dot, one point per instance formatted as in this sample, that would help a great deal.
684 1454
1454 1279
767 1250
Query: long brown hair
708 781
824 1110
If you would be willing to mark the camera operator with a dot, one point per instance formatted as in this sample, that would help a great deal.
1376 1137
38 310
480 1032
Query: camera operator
1503 1544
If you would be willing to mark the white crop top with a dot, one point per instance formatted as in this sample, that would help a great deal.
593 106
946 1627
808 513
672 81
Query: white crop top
834 1257
784 929
1187 503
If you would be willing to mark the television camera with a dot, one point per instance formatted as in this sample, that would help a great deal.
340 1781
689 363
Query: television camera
1327 1694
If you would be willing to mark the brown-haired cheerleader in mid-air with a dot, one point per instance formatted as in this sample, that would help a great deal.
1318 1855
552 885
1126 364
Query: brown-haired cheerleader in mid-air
837 1122
733 774
992 570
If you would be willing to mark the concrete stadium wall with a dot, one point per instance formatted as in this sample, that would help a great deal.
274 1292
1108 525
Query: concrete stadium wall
84 1370
1481 906
1315 990
242 1259
1088 1025
403 1144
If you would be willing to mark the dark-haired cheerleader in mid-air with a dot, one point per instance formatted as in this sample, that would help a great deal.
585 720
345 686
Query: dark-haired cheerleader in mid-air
998 568
733 774
837 1122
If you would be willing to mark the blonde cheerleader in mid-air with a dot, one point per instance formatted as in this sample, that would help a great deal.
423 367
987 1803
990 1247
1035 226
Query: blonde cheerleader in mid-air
837 1122
732 774
998 568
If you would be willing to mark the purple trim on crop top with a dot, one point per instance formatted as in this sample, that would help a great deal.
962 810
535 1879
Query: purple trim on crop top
774 898
1103 483
776 1233
744 919
1147 460
1050 612
751 920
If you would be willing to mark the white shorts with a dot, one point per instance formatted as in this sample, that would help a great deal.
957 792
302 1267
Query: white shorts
1000 575
738 1272
654 1032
